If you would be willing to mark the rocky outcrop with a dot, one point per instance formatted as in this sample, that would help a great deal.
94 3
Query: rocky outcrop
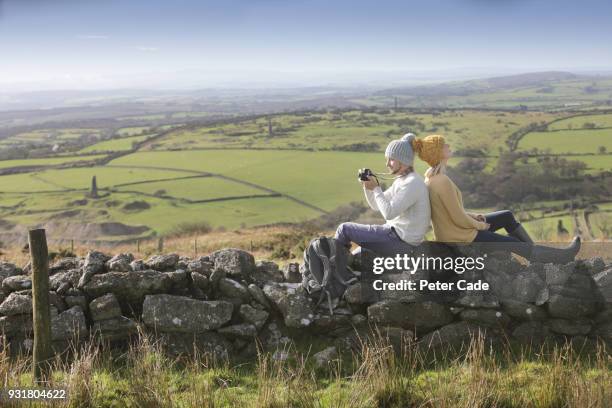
292 302
16 303
162 263
226 304
168 313
132 286
69 324
424 317
104 307
7 270
16 282
120 263
94 263
235 262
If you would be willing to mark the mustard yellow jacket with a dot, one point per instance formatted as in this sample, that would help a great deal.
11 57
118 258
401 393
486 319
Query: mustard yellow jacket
450 221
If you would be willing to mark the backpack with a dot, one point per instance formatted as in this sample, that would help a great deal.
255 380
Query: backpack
325 272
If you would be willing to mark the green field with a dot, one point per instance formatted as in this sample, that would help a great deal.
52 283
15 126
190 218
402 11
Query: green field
105 176
132 131
568 141
52 134
305 163
26 182
4 164
163 215
596 163
194 189
578 122
601 224
463 129
325 179
49 202
80 178
546 229
8 199
115 145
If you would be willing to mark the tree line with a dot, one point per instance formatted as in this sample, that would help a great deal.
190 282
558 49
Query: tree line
519 179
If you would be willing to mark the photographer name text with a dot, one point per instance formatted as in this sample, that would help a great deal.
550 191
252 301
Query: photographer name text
427 285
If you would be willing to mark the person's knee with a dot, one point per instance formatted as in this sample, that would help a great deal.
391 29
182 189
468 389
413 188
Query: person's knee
340 230
343 234
508 217
343 230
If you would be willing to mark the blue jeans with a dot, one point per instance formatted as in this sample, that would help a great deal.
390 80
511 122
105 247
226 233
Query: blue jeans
381 239
503 219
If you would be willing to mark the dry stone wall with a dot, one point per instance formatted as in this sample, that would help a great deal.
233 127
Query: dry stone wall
227 303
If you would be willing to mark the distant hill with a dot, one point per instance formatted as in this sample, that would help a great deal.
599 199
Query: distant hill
464 88
529 79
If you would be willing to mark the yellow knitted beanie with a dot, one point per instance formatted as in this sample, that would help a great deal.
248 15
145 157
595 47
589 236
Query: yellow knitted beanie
429 148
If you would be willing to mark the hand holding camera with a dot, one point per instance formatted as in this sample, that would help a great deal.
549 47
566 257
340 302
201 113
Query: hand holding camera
368 179
364 174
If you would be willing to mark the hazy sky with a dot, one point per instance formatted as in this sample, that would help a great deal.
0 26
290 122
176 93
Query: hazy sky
107 43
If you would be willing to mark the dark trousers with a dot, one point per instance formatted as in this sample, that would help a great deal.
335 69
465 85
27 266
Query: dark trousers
498 220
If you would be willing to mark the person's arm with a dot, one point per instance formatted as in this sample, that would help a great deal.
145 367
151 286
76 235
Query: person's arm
448 196
477 217
391 204
369 195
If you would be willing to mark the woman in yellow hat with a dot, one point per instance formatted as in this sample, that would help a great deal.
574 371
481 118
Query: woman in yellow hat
451 223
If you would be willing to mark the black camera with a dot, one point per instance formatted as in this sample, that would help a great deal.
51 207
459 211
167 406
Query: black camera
363 174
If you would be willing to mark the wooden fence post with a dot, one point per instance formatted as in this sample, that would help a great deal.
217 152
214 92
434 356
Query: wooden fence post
160 245
39 254
195 246
72 246
138 245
